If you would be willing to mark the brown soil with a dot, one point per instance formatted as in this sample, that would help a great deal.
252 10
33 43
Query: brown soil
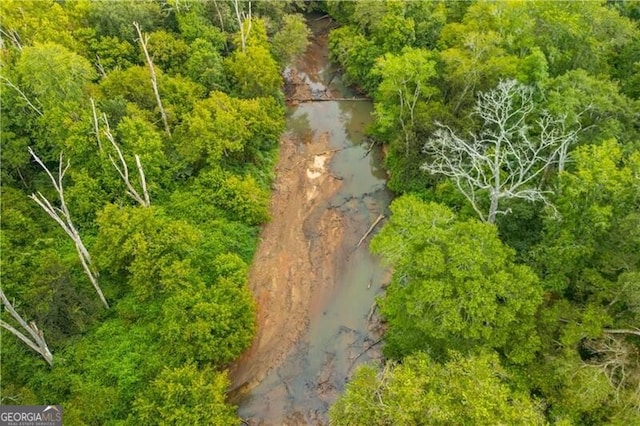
293 263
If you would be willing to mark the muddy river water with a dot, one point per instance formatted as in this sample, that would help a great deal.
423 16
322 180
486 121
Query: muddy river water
341 328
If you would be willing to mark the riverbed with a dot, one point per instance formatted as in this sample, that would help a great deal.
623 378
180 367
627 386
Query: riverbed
314 286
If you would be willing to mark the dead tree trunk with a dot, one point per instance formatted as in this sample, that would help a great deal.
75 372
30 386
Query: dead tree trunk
215 3
22 95
242 17
504 159
63 218
36 342
124 171
96 127
154 81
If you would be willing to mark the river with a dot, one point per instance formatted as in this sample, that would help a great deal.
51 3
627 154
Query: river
342 329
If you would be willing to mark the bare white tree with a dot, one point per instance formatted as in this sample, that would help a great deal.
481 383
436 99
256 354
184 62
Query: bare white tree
504 160
96 127
13 36
63 218
22 94
37 341
144 40
123 170
617 358
215 4
241 16
100 67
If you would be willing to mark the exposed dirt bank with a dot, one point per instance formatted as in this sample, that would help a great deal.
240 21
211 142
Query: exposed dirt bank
287 274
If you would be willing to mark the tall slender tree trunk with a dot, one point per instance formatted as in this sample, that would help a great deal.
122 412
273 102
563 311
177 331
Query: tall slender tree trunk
154 81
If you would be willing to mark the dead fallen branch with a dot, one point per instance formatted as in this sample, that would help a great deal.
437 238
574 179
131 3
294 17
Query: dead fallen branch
371 145
366 234
364 352
371 311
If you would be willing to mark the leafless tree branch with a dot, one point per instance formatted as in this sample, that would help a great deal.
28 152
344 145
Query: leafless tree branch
63 218
123 170
96 127
241 16
635 331
37 341
144 40
22 94
503 160
13 36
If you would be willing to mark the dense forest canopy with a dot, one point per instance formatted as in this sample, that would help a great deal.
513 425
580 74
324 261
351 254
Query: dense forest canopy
138 147
513 137
146 133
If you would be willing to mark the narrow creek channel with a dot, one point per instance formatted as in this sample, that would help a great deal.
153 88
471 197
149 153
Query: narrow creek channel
340 331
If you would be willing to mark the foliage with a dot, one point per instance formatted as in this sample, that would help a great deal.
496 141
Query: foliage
471 390
455 285
291 40
562 313
222 126
208 324
74 81
185 395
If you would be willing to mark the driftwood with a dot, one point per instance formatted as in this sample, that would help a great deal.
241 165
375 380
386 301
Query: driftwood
371 311
366 234
371 145
329 151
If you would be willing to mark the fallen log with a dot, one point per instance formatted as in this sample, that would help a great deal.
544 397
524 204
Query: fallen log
366 234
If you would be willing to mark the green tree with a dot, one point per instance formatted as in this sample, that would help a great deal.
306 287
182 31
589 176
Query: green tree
135 244
185 395
212 324
205 66
25 22
112 19
291 40
222 126
406 82
474 390
54 75
356 54
455 285
168 51
254 72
